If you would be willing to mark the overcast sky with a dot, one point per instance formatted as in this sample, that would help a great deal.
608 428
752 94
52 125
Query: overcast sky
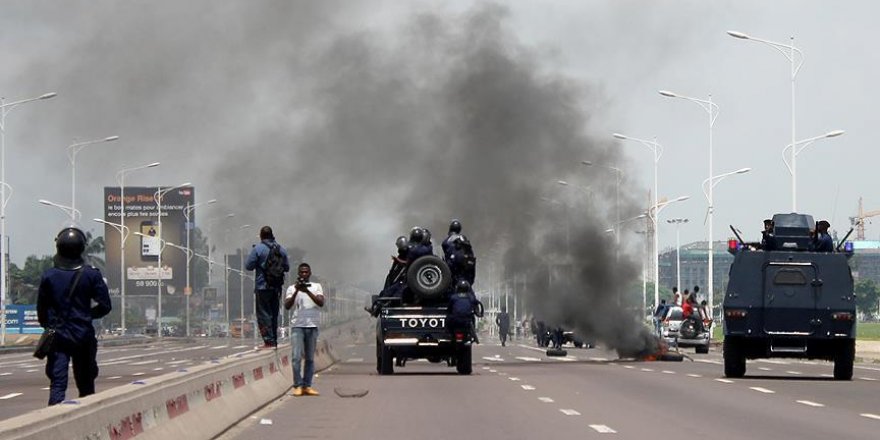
198 85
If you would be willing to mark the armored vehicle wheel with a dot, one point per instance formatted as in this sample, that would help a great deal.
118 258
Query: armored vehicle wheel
463 362
385 360
843 361
734 359
428 277
702 350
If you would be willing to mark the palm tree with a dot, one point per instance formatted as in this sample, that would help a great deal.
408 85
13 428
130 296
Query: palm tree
94 252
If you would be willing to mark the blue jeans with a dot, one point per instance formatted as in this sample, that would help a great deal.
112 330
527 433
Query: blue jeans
303 340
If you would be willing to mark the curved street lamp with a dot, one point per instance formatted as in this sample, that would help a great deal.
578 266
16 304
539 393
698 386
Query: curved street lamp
796 148
71 154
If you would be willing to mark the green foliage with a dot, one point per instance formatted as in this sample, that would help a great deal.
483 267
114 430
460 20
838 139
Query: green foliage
867 295
869 331
24 283
94 252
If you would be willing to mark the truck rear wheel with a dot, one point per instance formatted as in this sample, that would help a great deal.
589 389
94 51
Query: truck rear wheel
843 360
384 360
463 362
734 359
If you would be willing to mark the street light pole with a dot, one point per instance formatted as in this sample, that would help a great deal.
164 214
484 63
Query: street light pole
712 110
657 149
677 222
707 186
210 224
120 176
656 210
619 174
5 108
241 283
796 148
123 234
72 212
796 63
71 154
187 291
157 196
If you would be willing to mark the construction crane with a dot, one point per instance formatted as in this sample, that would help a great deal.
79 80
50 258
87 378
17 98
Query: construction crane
859 221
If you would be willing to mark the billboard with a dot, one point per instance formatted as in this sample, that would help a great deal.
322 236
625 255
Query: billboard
142 274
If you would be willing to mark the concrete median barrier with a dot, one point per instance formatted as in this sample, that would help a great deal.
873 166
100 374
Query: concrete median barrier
194 403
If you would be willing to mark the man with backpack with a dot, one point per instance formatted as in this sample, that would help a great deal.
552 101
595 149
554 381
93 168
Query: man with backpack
459 254
269 260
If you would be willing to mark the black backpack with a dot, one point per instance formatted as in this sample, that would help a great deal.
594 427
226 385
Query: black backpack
273 269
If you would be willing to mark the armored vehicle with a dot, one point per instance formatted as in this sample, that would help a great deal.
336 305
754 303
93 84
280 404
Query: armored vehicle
784 299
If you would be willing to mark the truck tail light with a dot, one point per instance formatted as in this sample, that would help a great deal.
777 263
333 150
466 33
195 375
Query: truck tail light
735 313
459 336
842 316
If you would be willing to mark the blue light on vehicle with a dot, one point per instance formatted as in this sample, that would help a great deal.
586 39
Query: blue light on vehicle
848 247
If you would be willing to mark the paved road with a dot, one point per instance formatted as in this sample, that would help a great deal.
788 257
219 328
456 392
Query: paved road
516 392
24 386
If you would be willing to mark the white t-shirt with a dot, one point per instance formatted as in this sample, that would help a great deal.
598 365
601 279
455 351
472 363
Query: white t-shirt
305 312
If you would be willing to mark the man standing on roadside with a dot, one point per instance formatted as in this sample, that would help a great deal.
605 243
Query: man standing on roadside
269 260
305 298
503 323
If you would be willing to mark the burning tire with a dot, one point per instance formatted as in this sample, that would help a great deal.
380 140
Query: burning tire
428 278
734 358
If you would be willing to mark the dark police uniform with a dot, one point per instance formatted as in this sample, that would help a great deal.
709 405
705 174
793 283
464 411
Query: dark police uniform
72 319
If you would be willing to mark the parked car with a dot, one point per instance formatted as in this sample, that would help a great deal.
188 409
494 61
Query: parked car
684 337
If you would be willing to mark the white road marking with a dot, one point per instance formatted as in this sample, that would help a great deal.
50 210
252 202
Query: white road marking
870 379
598 359
542 350
493 359
724 380
668 372
647 370
5 374
765 369
502 374
569 412
45 388
794 372
515 379
868 368
31 371
223 346
9 396
602 429
528 387
355 360
809 403
114 377
695 375
708 361
158 368
528 359
485 368
493 371
870 416
138 374
827 375
182 361
629 367
762 390
773 361
151 361
545 399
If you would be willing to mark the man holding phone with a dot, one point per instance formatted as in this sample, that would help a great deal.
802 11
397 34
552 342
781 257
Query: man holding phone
305 298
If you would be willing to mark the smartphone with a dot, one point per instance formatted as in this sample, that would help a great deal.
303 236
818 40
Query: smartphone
149 241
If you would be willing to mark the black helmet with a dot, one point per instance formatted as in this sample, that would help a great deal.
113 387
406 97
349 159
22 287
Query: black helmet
401 243
455 226
416 235
462 286
427 239
70 244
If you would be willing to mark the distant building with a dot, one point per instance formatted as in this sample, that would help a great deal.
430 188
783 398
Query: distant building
695 265
865 264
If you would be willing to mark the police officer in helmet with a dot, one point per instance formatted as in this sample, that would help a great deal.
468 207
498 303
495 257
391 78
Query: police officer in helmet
418 246
463 306
64 302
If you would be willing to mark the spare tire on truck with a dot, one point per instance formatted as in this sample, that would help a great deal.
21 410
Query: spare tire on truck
428 278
